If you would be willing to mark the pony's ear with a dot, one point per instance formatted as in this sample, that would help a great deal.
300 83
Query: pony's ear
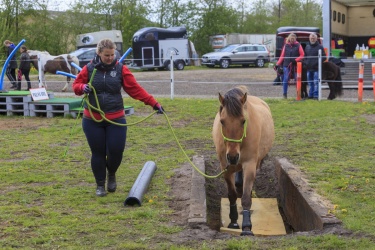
243 99
221 98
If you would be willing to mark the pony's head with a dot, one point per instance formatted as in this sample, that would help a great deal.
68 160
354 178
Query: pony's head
233 119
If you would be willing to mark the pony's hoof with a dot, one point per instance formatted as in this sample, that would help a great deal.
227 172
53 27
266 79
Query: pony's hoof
247 233
234 226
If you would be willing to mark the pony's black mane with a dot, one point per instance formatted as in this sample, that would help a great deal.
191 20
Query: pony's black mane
232 102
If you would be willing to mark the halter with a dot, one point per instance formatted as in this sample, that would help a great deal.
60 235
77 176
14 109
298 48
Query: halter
234 140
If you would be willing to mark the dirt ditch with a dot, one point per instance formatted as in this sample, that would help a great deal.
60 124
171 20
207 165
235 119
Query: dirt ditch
266 186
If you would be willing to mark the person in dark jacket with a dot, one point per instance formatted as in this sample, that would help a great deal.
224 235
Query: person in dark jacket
106 139
12 65
24 69
291 53
312 65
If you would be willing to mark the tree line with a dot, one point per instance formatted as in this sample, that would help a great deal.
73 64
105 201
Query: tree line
45 27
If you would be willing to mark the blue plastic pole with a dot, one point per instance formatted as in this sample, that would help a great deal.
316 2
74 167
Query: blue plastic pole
140 185
65 74
76 66
7 62
125 55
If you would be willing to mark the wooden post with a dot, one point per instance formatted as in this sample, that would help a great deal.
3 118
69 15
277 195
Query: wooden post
299 71
360 81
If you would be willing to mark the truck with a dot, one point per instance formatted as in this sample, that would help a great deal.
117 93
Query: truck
153 48
221 40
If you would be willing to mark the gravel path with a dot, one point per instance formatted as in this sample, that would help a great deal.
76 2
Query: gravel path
205 83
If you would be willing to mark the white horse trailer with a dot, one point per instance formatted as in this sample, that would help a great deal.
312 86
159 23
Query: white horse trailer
153 48
90 40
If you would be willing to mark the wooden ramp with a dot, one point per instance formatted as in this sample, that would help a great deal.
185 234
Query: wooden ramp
265 217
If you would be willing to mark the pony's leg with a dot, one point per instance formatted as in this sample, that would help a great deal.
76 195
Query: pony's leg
249 178
239 183
66 84
65 87
232 196
331 95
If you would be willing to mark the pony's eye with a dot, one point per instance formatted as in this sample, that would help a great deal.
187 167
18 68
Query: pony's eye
243 122
222 122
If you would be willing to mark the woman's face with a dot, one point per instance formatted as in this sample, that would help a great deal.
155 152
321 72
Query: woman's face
107 56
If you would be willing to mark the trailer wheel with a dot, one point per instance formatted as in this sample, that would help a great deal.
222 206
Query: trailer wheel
180 65
167 65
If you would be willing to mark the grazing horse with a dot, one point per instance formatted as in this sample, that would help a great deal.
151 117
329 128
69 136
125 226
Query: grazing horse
51 64
243 133
331 74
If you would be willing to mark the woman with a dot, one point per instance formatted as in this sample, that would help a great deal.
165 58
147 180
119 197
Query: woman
24 68
12 65
291 54
107 140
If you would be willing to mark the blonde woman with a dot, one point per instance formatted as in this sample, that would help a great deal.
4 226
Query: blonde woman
107 139
291 54
12 65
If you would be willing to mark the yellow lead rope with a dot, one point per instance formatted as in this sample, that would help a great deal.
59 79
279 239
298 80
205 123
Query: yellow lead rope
102 114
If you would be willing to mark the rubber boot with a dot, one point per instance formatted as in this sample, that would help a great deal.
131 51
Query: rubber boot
18 86
28 86
111 183
100 189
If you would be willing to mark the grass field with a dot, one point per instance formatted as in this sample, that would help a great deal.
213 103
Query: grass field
47 189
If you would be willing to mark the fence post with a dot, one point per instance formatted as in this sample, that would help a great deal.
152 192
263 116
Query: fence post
171 64
299 70
360 81
373 78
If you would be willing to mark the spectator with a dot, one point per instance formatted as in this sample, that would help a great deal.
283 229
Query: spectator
312 65
291 53
12 65
24 68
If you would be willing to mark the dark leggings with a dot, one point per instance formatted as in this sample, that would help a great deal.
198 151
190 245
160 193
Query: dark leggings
107 144
26 73
11 74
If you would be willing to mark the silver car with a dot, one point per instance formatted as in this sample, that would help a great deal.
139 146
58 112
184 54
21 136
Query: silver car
238 54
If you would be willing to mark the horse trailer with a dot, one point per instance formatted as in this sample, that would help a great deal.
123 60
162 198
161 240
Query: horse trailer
90 40
153 48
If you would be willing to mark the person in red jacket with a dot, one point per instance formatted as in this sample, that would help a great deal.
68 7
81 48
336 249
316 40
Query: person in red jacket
291 54
107 140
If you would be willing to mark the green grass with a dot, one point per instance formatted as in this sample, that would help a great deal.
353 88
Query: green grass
47 188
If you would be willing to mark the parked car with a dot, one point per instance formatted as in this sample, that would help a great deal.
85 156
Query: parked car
85 55
238 54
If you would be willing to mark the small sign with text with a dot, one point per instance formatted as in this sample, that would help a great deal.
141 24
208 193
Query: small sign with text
39 94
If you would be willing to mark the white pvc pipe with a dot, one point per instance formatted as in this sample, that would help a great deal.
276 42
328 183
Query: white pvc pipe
320 74
172 76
